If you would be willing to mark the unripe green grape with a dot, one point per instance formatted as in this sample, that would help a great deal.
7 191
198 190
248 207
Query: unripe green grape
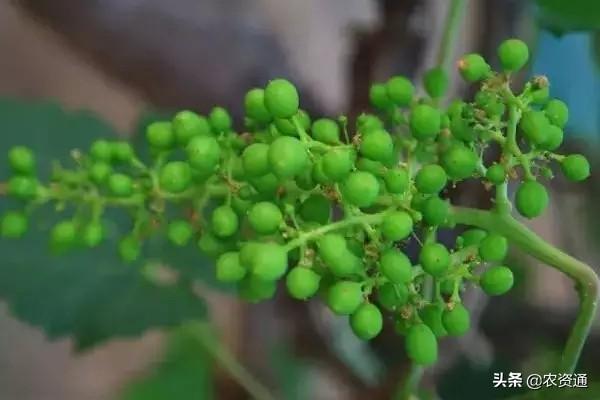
269 261
392 296
287 157
281 98
255 159
374 167
431 315
535 126
360 189
471 237
224 221
326 130
367 122
396 180
434 258
425 122
334 252
395 266
554 138
265 217
367 321
211 245
497 280
219 119
435 211
247 251
129 248
21 160
421 345
120 185
540 95
203 153
93 234
254 106
175 177
377 145
456 321
496 174
160 135
493 247
400 90
180 232
531 199
22 187
254 290
13 225
436 82
122 151
473 67
513 54
397 225
266 185
302 283
240 205
187 124
99 172
337 163
378 96
315 208
344 297
305 180
286 126
461 129
63 236
575 167
459 162
431 179
557 112
228 268
100 150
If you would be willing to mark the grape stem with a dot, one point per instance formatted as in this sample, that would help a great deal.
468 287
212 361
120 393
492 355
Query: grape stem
585 278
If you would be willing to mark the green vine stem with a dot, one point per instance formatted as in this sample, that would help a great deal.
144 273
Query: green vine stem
451 28
585 278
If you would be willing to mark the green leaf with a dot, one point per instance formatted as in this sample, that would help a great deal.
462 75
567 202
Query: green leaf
186 372
89 295
291 373
560 16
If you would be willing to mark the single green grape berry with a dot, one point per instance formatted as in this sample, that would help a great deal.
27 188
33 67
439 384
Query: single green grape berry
337 163
531 199
367 321
396 180
431 179
535 126
288 157
63 236
180 232
220 120
331 247
497 280
513 54
326 130
13 225
129 248
395 266
316 208
400 90
434 258
374 167
435 211
286 126
473 67
421 345
254 290
459 162
496 174
457 321
254 105
575 167
431 315
266 185
378 96
21 160
344 297
540 95
265 217
360 189
122 151
461 129
99 172
255 159
228 268
212 245
397 225
471 237
493 247
22 187
425 122
557 112
281 98
302 283
175 176
187 124
203 153
391 296
554 138
120 185
368 122
377 145
93 234
224 221
160 135
436 82
101 150
269 261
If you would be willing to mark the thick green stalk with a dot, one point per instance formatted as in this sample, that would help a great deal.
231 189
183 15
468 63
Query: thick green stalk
451 26
585 278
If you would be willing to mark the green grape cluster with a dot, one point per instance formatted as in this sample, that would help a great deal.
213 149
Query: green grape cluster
326 206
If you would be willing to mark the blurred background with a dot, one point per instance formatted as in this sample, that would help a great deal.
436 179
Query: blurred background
72 69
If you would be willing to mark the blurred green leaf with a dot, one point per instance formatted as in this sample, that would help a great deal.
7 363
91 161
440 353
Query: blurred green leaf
291 373
561 16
